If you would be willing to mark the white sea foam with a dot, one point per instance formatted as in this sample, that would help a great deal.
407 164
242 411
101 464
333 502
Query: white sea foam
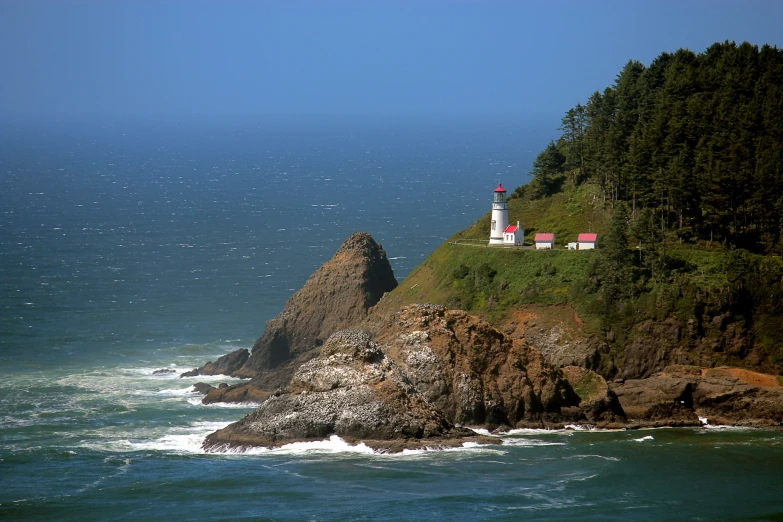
646 437
183 439
527 431
725 427
333 445
592 456
530 442
466 446
580 427
481 431
177 392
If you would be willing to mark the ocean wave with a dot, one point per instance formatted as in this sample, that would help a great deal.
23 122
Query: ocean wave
335 445
642 439
177 392
180 440
725 427
593 456
530 431
530 442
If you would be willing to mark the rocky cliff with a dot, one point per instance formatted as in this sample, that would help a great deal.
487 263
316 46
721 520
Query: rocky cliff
337 296
478 376
680 394
430 371
353 390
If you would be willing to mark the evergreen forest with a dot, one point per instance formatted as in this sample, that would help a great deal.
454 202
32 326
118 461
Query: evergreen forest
691 143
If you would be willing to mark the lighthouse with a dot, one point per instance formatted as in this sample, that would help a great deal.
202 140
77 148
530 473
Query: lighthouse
499 216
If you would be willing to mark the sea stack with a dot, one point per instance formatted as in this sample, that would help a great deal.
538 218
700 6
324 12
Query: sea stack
335 297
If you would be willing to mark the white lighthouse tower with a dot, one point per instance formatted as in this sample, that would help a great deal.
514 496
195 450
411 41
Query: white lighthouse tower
499 216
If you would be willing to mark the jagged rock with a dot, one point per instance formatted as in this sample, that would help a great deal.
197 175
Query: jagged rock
656 397
681 393
598 403
203 388
733 395
335 297
163 371
470 371
351 390
238 393
225 365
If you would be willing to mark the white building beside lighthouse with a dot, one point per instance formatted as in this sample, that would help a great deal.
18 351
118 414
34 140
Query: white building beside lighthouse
514 235
499 222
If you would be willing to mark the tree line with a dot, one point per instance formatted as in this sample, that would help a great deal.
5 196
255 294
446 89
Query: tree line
692 143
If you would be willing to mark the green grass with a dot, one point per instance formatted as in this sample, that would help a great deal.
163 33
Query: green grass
555 285
565 214
588 387
491 282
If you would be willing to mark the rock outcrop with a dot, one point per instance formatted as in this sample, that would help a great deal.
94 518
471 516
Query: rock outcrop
225 365
353 390
679 395
471 372
335 297
597 402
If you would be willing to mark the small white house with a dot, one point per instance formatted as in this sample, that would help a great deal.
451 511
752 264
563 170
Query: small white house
586 241
513 235
545 241
573 246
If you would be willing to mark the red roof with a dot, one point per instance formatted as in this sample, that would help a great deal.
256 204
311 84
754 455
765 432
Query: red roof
587 238
545 238
500 188
510 229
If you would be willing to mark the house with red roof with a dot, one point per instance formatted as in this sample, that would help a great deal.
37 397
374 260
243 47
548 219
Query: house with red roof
513 235
586 241
545 240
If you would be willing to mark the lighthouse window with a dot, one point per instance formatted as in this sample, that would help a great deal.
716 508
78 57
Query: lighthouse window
493 224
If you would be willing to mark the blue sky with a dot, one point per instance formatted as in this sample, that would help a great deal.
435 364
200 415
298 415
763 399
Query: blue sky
425 59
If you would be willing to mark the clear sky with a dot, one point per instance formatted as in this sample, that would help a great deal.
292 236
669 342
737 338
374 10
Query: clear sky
370 58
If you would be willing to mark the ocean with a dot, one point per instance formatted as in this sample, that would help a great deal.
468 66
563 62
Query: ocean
128 247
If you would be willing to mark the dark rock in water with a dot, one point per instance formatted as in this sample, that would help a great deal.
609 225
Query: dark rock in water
335 297
163 371
202 387
351 390
225 365
472 372
238 393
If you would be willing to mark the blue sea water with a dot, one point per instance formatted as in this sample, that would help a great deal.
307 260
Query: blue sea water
128 247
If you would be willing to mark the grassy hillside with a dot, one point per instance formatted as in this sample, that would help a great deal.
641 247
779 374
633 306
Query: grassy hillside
704 287
566 213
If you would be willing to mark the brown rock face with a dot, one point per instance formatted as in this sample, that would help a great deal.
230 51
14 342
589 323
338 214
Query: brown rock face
598 403
351 390
722 395
335 297
657 398
734 396
471 372
225 365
